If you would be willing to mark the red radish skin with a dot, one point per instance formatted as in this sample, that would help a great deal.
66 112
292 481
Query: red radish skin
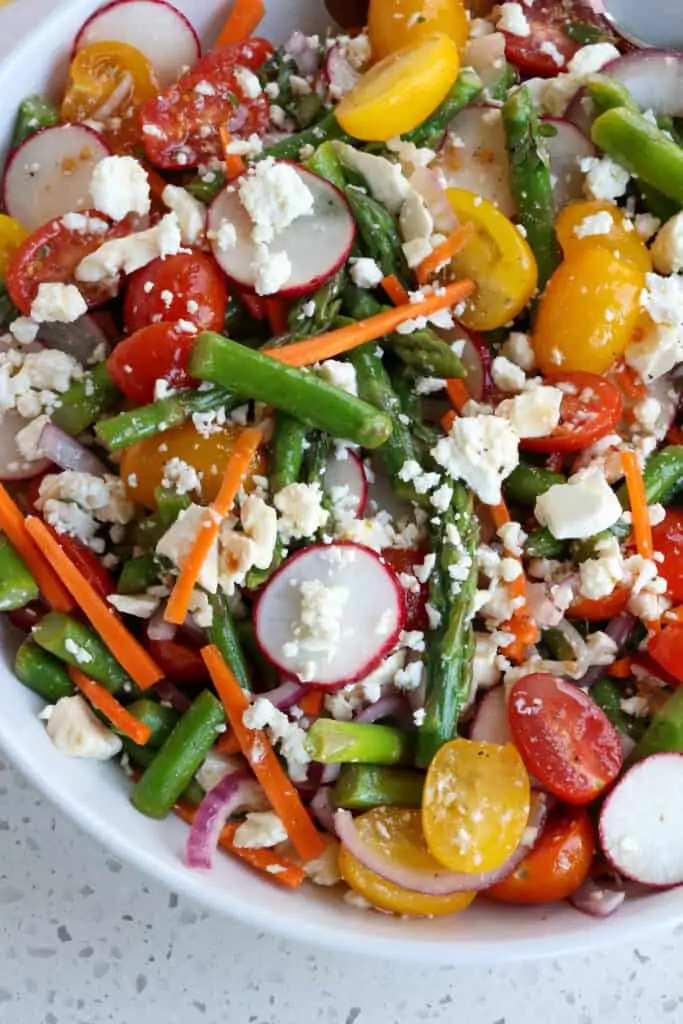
155 27
640 831
317 245
348 472
49 174
373 589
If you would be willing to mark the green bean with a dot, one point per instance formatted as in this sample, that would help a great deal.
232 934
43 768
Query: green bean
363 786
530 182
325 163
378 233
658 205
80 646
331 742
42 672
298 392
558 645
290 148
223 634
542 544
86 401
662 477
17 585
527 483
135 425
607 694
174 767
287 451
264 672
34 114
160 719
640 147
205 187
464 91
169 503
308 110
142 757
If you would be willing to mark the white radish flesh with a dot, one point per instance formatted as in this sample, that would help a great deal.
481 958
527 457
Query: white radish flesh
154 27
13 465
475 357
346 483
316 245
340 74
641 831
490 723
474 156
565 149
49 174
352 620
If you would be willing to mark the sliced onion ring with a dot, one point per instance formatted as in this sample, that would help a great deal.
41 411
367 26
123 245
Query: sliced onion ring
67 453
389 706
233 792
323 807
286 695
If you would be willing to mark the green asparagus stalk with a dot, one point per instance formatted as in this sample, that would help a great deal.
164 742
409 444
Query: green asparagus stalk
527 483
130 427
639 146
378 233
138 574
42 672
86 401
290 148
662 476
665 734
331 742
80 646
223 634
465 90
363 786
327 303
607 694
325 163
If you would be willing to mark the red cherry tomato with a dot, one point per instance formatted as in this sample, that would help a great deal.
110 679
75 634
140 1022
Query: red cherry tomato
178 661
158 352
87 562
592 411
186 119
402 560
52 253
251 54
547 20
599 609
557 865
188 286
29 616
565 739
668 539
666 647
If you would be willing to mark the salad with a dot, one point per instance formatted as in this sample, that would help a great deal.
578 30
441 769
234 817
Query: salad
339 398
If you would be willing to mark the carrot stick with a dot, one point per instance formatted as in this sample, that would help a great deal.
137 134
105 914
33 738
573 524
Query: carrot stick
12 523
457 392
123 645
642 531
620 669
228 744
265 765
101 699
395 290
277 315
279 869
454 244
448 420
312 702
234 164
243 19
499 514
235 471
327 346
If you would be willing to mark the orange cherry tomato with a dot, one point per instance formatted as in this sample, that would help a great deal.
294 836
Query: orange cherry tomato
397 833
109 81
393 24
588 312
142 465
475 804
589 411
621 238
11 236
602 608
557 865
668 539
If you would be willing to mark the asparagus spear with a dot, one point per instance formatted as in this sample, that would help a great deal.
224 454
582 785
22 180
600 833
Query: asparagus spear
526 483
465 90
130 427
666 731
662 476
326 302
86 401
138 574
290 148
362 786
378 233
331 742
640 147
530 182
326 164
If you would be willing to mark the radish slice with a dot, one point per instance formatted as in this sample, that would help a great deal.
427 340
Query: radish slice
490 723
640 826
356 615
565 149
49 174
475 158
316 245
13 465
476 359
341 76
486 55
346 483
154 27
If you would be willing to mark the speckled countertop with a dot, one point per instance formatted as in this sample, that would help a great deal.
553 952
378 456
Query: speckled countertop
85 939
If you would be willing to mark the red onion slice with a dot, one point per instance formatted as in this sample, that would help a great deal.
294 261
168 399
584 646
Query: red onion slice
227 796
597 900
323 807
159 629
286 695
437 883
67 453
391 706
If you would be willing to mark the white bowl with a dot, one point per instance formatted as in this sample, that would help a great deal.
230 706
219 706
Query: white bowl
36 38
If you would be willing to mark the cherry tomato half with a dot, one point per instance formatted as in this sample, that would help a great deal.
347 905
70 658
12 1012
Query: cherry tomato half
188 286
52 253
602 608
393 24
179 662
557 865
666 646
590 411
535 53
565 739
87 562
668 539
251 54
158 352
402 560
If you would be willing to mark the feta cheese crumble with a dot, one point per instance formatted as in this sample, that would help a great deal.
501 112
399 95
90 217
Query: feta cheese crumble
119 186
58 303
482 450
584 506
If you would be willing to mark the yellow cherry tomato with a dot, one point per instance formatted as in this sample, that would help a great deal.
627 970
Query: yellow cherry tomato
498 259
621 238
475 805
401 91
588 312
11 236
142 465
397 833
393 24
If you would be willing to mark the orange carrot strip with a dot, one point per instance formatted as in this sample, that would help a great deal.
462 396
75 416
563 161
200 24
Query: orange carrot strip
265 765
235 471
234 164
327 346
454 244
123 645
243 19
499 514
620 669
395 290
447 421
312 702
642 531
279 869
277 315
228 744
457 392
119 717
12 523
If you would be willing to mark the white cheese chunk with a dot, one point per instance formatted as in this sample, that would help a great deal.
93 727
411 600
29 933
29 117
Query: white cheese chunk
190 212
534 413
481 450
365 272
58 303
274 195
119 186
605 178
75 731
584 506
511 18
289 736
667 248
301 511
179 539
126 255
260 830
141 606
657 353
